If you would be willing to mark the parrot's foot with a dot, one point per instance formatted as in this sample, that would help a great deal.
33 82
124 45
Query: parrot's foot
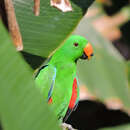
67 126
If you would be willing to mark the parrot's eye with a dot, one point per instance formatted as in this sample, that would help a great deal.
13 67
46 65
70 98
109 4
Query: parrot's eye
76 44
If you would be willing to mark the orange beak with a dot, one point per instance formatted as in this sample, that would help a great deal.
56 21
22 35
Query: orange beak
88 50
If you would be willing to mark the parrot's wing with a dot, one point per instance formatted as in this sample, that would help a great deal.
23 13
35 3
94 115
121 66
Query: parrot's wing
38 71
45 80
45 64
74 99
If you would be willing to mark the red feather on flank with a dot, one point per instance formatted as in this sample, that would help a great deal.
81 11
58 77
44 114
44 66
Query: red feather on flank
74 94
50 101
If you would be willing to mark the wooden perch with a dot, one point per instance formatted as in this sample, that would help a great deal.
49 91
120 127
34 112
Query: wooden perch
13 25
36 7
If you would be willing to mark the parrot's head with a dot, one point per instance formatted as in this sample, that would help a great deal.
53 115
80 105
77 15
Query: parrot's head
76 47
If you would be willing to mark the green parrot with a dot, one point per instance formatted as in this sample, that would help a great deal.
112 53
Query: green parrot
57 80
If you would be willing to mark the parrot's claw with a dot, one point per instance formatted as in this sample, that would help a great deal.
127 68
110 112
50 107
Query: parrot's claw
67 127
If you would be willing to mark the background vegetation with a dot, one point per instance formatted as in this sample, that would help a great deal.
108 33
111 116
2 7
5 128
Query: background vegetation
104 81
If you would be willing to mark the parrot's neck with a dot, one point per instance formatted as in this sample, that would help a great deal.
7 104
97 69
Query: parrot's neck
60 60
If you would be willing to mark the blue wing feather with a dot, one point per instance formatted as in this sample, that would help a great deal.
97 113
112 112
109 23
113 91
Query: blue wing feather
52 85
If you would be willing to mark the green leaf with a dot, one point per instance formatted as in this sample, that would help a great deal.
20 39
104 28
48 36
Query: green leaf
21 105
128 71
42 34
120 127
104 74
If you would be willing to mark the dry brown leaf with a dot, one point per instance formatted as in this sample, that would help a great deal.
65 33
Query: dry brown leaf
85 94
36 7
92 12
108 26
114 103
63 5
13 25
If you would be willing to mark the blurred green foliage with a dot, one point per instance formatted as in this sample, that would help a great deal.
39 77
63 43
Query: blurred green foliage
120 127
21 105
128 71
105 74
42 34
